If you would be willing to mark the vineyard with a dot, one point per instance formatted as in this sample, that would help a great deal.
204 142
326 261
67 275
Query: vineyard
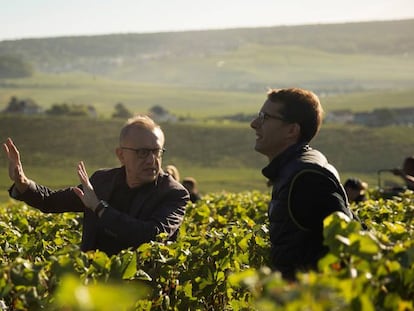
219 262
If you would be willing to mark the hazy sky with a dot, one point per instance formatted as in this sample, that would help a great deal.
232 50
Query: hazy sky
50 18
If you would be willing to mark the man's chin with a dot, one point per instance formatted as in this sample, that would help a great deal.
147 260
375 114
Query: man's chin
149 178
261 151
258 149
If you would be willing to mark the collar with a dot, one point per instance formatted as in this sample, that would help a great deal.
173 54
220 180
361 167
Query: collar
273 168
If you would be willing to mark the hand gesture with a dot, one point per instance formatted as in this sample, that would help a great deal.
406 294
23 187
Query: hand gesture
87 195
16 172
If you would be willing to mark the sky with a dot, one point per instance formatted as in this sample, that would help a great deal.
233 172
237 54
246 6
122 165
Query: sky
52 18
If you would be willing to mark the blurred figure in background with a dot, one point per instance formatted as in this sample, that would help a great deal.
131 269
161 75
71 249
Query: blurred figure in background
355 190
191 185
407 172
172 170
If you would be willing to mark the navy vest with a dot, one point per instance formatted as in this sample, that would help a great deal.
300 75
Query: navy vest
294 244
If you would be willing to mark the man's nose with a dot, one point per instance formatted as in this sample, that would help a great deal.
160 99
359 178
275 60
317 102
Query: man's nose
254 123
151 157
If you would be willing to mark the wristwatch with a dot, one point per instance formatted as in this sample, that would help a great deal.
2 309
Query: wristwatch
101 206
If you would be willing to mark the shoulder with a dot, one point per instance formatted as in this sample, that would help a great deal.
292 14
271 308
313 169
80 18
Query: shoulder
314 163
314 177
107 173
317 187
107 178
166 183
312 169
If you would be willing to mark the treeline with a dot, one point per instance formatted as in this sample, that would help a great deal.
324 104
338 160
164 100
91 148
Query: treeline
14 67
29 107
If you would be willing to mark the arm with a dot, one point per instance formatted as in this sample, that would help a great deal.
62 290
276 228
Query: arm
314 196
16 173
408 179
167 216
86 194
166 213
40 197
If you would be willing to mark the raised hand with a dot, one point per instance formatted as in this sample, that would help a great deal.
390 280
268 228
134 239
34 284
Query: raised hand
16 172
87 195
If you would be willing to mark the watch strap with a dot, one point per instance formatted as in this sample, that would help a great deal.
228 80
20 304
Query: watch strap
101 206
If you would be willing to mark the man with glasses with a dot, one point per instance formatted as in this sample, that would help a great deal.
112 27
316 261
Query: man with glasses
123 207
306 188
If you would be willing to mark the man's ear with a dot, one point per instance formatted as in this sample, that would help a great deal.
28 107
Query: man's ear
120 154
294 131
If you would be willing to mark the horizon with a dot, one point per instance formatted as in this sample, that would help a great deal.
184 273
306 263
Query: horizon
26 19
196 30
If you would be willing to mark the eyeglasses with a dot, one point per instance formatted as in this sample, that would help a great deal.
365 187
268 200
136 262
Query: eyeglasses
262 116
143 153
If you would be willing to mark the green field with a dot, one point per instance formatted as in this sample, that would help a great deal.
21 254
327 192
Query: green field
200 104
220 157
138 97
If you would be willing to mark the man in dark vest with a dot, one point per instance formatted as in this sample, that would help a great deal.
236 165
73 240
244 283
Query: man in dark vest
306 188
122 207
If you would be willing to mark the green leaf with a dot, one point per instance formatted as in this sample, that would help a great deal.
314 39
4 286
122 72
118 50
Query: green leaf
365 242
131 268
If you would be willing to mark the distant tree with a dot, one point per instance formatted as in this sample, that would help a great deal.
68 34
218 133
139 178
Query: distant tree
14 67
160 114
13 106
58 110
22 106
121 111
65 109
158 110
384 116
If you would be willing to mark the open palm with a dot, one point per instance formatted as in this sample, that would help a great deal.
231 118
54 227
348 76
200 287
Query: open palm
87 194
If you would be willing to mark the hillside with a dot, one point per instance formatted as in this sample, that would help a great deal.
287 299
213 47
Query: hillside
220 157
326 58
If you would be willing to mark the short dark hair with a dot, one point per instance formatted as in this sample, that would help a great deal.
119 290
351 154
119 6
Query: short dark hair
190 183
299 106
355 183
